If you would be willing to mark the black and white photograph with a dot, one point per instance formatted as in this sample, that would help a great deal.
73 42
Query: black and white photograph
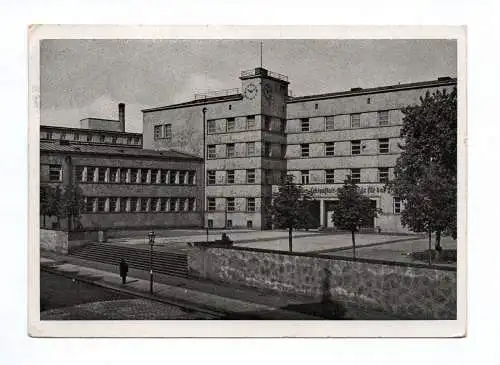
283 181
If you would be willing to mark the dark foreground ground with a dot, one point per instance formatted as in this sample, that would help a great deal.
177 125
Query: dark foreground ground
62 298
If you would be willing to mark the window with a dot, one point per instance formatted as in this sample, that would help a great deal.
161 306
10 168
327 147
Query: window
304 124
173 205
250 148
164 177
230 176
229 224
89 138
191 177
210 223
211 151
355 147
230 204
330 126
80 173
192 204
182 177
89 204
76 137
355 120
63 136
251 204
137 140
397 205
101 205
113 174
267 149
282 126
330 148
154 205
304 150
249 224
267 123
383 174
330 176
123 204
155 176
211 126
129 140
102 139
144 204
102 174
251 122
211 177
304 177
368 101
168 131
144 176
134 207
133 175
283 151
164 204
113 140
356 175
230 150
113 204
123 175
182 204
49 135
383 117
383 145
172 177
157 132
316 106
230 124
229 107
91 174
251 176
211 204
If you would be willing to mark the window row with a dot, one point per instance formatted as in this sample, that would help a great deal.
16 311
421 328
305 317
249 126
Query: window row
330 177
162 131
230 125
135 204
135 175
244 205
354 121
229 224
248 149
244 176
86 137
356 148
51 173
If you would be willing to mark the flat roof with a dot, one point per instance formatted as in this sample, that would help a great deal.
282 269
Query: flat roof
56 146
73 129
360 91
197 102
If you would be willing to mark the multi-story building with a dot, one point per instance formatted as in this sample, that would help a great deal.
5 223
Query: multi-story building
124 186
251 137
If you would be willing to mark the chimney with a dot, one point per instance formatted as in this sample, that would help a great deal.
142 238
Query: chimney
121 116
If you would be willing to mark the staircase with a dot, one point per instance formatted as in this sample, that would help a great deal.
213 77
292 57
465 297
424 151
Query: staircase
167 263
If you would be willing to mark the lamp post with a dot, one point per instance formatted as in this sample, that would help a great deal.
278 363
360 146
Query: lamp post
151 236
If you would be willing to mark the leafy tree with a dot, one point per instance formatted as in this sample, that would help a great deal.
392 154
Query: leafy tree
426 172
72 205
290 207
353 210
46 202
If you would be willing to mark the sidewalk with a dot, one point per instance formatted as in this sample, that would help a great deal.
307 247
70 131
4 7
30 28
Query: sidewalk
227 301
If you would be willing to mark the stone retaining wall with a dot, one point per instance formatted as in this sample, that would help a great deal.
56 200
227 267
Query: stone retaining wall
407 291
54 241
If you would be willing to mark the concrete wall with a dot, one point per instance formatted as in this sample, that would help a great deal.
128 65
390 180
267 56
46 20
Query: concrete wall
54 241
415 292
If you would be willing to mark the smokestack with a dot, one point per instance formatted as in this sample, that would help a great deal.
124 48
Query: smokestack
121 116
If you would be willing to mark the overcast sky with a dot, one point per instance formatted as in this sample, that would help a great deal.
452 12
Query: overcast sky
88 78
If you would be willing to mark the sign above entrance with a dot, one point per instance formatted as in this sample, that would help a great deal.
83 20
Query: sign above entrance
367 189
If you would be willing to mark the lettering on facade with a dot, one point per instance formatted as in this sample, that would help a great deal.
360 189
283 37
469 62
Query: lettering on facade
333 190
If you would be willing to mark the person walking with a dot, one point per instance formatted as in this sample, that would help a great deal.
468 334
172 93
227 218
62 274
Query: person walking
123 270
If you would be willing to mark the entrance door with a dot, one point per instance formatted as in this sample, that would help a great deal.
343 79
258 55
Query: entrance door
329 212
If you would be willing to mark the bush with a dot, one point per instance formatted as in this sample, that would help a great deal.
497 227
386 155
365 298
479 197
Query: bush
445 256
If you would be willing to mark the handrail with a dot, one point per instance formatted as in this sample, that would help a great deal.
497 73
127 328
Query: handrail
216 93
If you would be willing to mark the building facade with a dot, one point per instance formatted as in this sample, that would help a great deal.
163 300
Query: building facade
124 186
251 137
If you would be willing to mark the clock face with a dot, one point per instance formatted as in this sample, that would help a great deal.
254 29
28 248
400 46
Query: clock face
268 92
251 91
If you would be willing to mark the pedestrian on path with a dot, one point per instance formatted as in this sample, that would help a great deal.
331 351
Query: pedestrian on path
123 270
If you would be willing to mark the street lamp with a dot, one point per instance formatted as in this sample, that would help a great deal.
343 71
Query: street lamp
151 236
